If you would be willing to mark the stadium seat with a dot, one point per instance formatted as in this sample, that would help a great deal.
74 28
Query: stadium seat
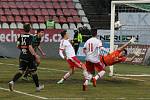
0 26
27 5
70 20
66 12
7 12
49 5
35 26
76 19
19 5
72 26
51 12
5 5
62 19
85 20
1 12
46 18
79 25
59 12
18 19
15 12
78 6
5 25
73 12
40 19
3 19
44 12
20 25
26 19
65 26
23 12
42 5
13 26
57 26
75 0
33 19
30 12
37 12
12 5
70 5
34 5
10 19
55 18
63 5
56 5
42 26
81 13
88 25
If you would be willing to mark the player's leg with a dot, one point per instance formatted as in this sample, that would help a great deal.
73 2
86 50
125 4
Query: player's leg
101 72
22 68
126 44
66 76
33 68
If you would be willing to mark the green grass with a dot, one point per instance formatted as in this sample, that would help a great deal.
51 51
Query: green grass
107 88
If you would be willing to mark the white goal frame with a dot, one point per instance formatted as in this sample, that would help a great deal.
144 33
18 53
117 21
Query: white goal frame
112 22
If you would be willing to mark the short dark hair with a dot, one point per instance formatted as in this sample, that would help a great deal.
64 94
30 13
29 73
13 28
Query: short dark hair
126 52
94 32
27 27
63 33
39 30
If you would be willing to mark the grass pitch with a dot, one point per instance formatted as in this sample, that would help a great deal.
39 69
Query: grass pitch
51 70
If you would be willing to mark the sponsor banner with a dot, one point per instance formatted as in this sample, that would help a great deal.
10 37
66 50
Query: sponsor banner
51 35
122 36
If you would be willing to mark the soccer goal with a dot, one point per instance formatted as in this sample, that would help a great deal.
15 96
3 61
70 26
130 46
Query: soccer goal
133 19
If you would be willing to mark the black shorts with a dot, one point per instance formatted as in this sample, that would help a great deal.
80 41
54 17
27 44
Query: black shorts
27 63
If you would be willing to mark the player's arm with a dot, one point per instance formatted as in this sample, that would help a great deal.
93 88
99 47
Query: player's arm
41 51
126 44
61 53
104 49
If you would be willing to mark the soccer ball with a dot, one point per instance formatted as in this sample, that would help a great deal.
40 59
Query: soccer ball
117 24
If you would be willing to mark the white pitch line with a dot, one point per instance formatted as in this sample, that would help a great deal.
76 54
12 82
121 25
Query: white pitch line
130 78
132 75
31 95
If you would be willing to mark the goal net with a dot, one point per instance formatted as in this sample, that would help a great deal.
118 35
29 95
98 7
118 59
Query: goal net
133 20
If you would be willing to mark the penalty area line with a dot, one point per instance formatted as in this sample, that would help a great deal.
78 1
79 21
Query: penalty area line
127 78
23 93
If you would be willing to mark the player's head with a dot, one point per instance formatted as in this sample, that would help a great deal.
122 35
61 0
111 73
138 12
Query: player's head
124 52
94 33
64 34
40 32
27 27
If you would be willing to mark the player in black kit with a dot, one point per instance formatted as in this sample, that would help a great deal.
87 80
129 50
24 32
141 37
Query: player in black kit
27 59
36 40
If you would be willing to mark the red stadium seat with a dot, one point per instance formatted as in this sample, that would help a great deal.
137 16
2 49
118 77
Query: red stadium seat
56 5
10 19
54 0
42 5
27 5
73 12
3 19
23 12
12 5
47 0
15 12
37 12
63 5
20 5
66 12
30 12
49 5
7 12
44 12
55 18
76 19
70 5
26 19
52 12
33 19
3 0
41 19
47 17
18 19
5 5
59 12
62 19
70 20
1 12
34 5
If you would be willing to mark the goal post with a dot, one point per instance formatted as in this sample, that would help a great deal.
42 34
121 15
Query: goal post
131 4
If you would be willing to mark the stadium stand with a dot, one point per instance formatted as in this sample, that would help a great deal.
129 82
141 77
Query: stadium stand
66 13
